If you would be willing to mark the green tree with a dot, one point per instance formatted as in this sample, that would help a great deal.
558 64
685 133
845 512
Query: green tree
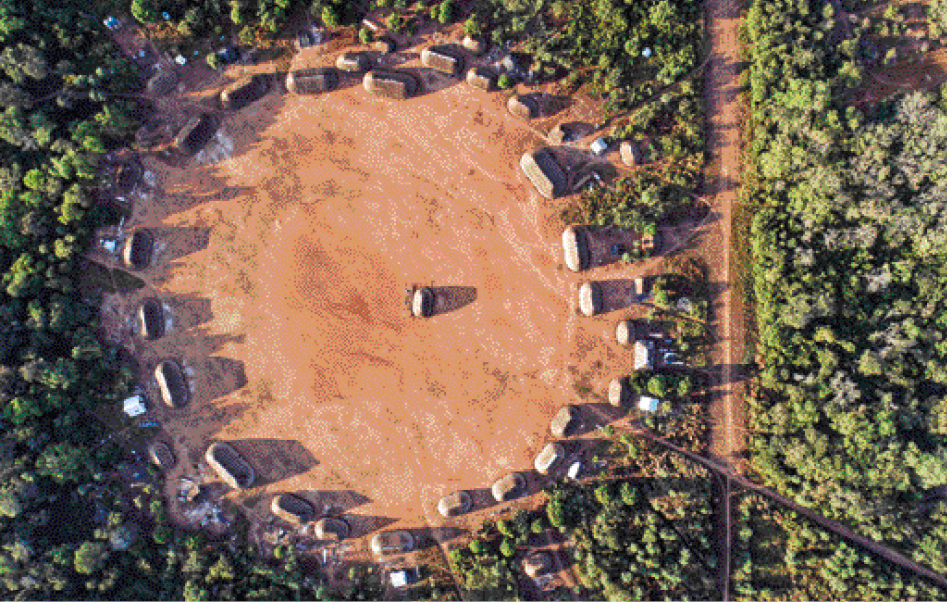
366 36
89 557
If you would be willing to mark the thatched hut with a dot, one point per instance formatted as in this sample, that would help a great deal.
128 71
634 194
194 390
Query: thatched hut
353 62
565 422
475 46
619 392
509 487
161 455
524 107
161 83
393 542
312 81
229 465
332 529
626 333
422 303
544 172
455 504
575 248
243 91
590 299
481 77
195 134
138 249
551 455
443 59
172 384
390 84
537 563
292 508
151 319
386 45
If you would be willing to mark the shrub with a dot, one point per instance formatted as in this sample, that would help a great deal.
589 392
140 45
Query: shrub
505 82
507 548
330 17
366 35
446 12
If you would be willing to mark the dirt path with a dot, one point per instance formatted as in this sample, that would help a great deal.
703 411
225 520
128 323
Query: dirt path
722 177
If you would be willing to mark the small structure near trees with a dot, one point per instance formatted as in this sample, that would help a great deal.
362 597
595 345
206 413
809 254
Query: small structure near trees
565 422
134 406
151 319
243 92
230 465
537 564
590 299
575 248
626 333
353 62
509 487
422 303
393 542
648 404
172 384
138 249
161 455
443 59
312 81
292 508
332 529
455 504
634 152
523 107
399 85
542 169
644 355
482 78
549 457
474 45
619 392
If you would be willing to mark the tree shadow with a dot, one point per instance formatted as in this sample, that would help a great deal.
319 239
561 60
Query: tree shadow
452 298
274 460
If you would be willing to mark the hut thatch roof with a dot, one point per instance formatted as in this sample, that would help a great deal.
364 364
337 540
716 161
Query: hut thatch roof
243 91
626 332
481 77
151 319
172 383
565 421
161 455
475 46
332 529
386 45
537 563
292 508
590 298
391 84
353 62
312 81
393 542
443 59
422 303
619 392
162 82
509 487
644 355
524 107
575 248
544 172
195 133
138 249
455 504
550 455
229 465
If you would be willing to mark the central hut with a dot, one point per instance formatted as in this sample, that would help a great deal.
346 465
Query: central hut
243 91
172 384
444 59
312 81
544 172
390 84
229 465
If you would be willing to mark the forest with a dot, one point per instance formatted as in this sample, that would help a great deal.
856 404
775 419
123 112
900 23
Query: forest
848 413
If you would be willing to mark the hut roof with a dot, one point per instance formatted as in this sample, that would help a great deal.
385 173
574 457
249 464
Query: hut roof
619 393
138 249
243 91
393 542
292 508
509 487
162 82
392 84
422 303
195 134
161 454
648 404
151 319
626 332
443 59
312 81
454 504
386 45
565 421
481 77
353 62
524 107
230 465
172 383
475 46
332 529
644 355
544 172
590 298
549 457
537 564
575 248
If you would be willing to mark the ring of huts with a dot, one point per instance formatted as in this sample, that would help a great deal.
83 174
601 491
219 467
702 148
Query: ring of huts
509 487
455 504
565 422
443 59
195 134
393 542
549 457
332 529
544 172
481 77
243 92
312 81
575 248
230 465
138 249
523 107
353 62
292 508
399 85
590 298
151 319
172 384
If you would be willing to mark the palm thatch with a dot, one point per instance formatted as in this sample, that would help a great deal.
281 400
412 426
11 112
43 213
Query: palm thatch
565 422
161 455
243 91
455 504
575 248
475 46
509 487
619 392
551 455
229 465
292 508
422 303
353 62
390 84
544 172
195 134
138 249
332 529
161 83
443 59
537 563
393 542
590 299
172 384
524 107
151 319
312 81
481 77
626 333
